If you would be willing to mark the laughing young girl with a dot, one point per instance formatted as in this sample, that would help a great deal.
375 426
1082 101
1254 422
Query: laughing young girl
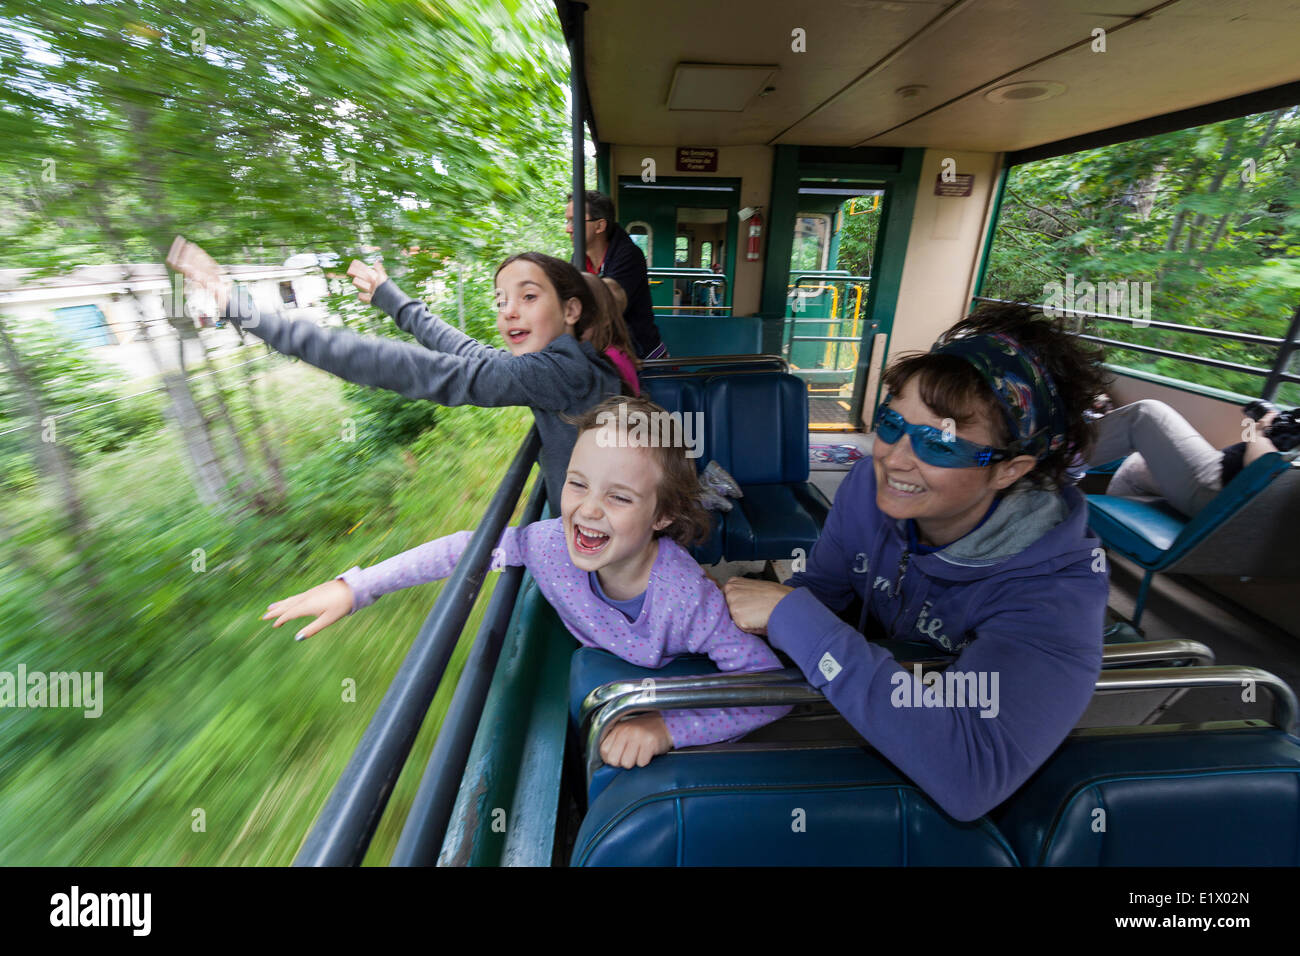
543 310
614 567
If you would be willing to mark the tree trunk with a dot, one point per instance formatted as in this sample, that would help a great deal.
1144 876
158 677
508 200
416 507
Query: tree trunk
264 441
55 464
50 456
1225 161
185 332
209 477
1222 225
1176 227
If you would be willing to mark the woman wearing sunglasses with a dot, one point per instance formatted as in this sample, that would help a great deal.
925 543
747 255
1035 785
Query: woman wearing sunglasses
960 532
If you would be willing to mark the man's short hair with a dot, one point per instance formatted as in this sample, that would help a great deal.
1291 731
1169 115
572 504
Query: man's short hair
598 205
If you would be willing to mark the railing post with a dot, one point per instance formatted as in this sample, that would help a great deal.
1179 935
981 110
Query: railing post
347 823
575 12
1284 353
426 823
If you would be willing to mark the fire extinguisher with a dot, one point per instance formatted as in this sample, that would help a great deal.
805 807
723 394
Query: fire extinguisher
755 236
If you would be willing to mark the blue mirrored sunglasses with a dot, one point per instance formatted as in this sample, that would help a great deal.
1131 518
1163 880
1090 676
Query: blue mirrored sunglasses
932 446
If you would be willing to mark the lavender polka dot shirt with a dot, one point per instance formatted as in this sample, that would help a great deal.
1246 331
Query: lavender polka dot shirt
684 613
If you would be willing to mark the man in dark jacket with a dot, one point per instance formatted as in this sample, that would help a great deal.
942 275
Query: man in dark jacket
611 252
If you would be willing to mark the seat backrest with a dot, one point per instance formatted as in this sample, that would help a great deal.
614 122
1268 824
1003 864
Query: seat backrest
675 394
711 335
1175 798
1248 529
833 807
757 427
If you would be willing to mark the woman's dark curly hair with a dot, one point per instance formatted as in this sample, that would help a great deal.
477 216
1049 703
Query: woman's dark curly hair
952 388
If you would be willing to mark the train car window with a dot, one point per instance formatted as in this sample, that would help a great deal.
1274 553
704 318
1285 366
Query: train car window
642 237
85 324
706 255
682 252
812 242
1143 239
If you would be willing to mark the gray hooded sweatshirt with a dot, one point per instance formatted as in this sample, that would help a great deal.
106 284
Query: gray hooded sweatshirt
566 378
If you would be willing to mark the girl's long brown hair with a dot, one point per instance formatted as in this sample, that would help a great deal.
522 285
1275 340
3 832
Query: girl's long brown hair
608 328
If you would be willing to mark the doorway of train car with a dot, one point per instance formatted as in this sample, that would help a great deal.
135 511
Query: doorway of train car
827 320
687 229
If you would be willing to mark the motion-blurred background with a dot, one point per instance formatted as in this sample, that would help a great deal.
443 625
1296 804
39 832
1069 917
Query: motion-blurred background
162 481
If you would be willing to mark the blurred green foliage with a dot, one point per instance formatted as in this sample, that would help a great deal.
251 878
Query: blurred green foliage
66 372
432 133
205 706
1210 216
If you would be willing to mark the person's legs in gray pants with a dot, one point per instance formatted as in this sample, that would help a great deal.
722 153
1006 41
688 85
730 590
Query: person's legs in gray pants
1174 460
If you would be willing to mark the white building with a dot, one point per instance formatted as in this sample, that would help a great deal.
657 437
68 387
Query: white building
101 307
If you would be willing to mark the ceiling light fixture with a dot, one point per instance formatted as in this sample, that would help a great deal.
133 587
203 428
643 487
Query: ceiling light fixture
721 87
1029 91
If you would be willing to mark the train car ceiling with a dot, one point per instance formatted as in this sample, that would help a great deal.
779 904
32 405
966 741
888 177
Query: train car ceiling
979 75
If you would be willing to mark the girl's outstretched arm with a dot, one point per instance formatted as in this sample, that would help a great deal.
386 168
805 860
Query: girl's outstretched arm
412 315
431 561
543 380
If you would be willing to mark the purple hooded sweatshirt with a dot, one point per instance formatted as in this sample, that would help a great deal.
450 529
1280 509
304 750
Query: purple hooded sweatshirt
1020 600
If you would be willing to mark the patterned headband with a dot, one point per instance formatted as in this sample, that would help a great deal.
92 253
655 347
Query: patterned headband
1023 386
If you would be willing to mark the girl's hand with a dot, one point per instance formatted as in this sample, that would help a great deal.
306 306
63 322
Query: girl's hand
326 602
200 268
752 602
367 278
636 741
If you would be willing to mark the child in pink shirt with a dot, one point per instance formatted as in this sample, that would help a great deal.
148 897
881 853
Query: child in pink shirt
608 332
613 566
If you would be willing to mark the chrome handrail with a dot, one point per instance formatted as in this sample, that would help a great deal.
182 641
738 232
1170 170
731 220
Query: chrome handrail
1113 655
659 698
710 362
711 359
605 693
669 693
1286 709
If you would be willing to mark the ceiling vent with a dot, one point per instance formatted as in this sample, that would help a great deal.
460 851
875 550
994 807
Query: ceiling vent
720 87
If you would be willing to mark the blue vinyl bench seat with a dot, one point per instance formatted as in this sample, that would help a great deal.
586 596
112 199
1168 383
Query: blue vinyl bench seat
1214 794
1227 797
1244 531
756 428
843 807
